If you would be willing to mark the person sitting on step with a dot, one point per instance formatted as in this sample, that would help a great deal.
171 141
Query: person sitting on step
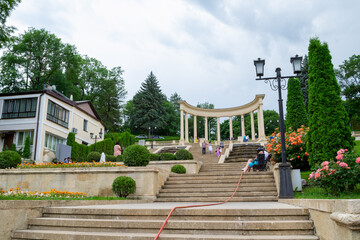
251 162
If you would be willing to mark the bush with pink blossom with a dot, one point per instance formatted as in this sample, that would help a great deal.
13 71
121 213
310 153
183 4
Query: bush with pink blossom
338 176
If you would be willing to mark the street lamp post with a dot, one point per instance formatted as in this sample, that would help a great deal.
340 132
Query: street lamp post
96 137
286 190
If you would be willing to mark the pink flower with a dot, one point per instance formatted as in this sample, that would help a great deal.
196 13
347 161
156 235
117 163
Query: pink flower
339 157
317 175
325 168
358 160
311 175
342 164
325 163
337 162
341 151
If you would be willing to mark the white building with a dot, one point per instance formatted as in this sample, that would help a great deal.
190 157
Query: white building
47 117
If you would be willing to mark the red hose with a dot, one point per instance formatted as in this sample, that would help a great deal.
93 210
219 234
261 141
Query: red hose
201 205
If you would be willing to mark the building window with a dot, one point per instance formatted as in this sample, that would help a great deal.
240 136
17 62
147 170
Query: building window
85 125
51 141
57 114
19 108
21 137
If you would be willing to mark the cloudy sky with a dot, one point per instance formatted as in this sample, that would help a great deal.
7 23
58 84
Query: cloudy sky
201 49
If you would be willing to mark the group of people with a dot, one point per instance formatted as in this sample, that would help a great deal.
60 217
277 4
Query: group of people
219 149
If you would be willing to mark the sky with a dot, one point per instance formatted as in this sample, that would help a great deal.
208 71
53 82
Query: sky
201 49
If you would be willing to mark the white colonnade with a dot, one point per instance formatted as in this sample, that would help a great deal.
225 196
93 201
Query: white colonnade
255 105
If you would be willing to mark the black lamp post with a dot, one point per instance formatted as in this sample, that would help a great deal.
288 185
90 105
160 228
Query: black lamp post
96 137
286 190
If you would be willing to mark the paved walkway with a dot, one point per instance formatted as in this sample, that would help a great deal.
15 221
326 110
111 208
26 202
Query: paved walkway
170 205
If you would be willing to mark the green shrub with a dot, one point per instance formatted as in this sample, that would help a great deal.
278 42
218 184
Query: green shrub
119 158
82 152
328 119
105 146
9 159
93 156
27 152
136 155
183 154
167 156
178 169
296 116
123 186
154 157
110 158
13 147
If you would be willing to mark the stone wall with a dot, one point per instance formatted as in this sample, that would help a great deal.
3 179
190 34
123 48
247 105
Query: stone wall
16 213
333 219
95 181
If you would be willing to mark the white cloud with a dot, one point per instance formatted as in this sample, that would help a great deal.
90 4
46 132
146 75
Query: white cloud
203 50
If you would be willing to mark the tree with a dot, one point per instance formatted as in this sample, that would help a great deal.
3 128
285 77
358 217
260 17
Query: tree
296 115
348 75
201 122
6 6
329 121
271 121
304 77
111 95
149 112
35 58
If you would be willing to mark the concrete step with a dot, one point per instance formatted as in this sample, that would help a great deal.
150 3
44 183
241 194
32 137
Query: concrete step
218 181
218 199
229 173
288 227
216 194
218 185
228 190
182 177
72 235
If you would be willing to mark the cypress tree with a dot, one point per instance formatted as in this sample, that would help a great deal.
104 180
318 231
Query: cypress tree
149 111
328 120
296 115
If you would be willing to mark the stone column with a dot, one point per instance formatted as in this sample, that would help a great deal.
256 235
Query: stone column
231 128
206 128
186 128
242 126
218 129
261 123
181 126
252 126
195 127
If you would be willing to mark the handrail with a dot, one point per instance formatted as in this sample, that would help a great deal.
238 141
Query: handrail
200 205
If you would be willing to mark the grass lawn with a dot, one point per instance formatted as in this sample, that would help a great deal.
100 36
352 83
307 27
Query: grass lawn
357 146
319 193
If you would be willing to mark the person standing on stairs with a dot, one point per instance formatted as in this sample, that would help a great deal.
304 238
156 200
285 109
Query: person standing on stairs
210 148
203 147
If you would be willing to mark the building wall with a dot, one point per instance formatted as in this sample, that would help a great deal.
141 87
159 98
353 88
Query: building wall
76 120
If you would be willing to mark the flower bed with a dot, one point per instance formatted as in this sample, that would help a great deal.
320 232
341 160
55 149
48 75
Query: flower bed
295 141
338 176
53 193
70 165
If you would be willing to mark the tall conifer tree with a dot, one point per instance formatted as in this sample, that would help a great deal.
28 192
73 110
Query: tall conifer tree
296 115
329 122
149 109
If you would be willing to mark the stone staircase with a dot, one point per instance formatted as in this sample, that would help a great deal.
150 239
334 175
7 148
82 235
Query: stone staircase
259 222
217 182
253 213
242 153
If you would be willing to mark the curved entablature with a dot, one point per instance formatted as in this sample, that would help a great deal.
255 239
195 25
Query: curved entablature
223 112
